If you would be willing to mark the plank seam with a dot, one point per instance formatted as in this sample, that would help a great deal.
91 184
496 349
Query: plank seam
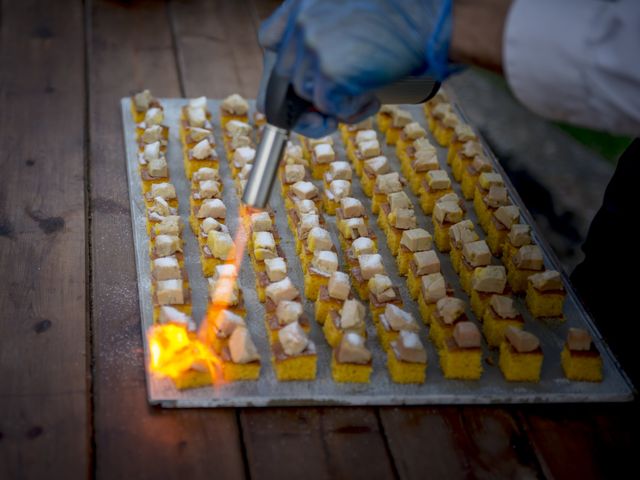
243 446
385 440
543 466
174 47
90 367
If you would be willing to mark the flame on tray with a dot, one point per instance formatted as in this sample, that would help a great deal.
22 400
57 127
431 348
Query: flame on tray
174 349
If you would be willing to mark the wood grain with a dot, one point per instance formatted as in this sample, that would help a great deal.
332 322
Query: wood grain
131 48
584 441
43 395
216 47
455 442
315 443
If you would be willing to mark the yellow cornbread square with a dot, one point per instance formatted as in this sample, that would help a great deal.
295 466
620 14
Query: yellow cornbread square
401 147
479 302
496 236
468 184
318 170
192 379
383 220
345 134
428 198
194 223
443 134
323 307
384 121
482 209
415 181
378 309
295 368
312 284
439 332
358 163
461 363
405 372
441 236
466 274
146 184
191 166
519 367
377 200
394 235
452 151
508 250
386 336
518 279
431 122
137 116
367 183
216 342
209 264
426 309
329 205
227 117
580 367
392 134
333 334
257 265
306 152
402 260
350 372
456 258
361 287
413 283
240 371
344 243
459 166
262 293
273 327
544 304
405 165
493 327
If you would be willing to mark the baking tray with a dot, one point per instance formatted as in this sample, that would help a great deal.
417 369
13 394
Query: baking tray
267 391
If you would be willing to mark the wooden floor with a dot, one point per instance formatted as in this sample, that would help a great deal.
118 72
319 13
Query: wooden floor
72 390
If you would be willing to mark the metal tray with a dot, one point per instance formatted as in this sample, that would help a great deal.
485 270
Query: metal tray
267 391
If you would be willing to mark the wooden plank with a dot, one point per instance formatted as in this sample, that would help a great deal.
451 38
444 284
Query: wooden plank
217 48
315 443
43 398
131 48
458 442
325 442
584 441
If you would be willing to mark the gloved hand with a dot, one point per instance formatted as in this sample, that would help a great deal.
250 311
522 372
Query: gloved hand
335 52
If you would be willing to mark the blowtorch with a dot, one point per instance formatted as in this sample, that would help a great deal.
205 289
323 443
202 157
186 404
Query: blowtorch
283 107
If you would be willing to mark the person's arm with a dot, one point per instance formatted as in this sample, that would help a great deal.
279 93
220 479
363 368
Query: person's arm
477 31
569 60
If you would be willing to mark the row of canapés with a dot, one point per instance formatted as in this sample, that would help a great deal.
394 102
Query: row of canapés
188 357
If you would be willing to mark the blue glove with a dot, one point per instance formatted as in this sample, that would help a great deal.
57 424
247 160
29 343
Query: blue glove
336 53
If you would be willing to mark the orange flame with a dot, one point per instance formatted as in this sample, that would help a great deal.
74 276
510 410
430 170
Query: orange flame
174 351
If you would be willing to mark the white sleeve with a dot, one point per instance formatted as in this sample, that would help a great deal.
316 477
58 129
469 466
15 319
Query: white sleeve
576 61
